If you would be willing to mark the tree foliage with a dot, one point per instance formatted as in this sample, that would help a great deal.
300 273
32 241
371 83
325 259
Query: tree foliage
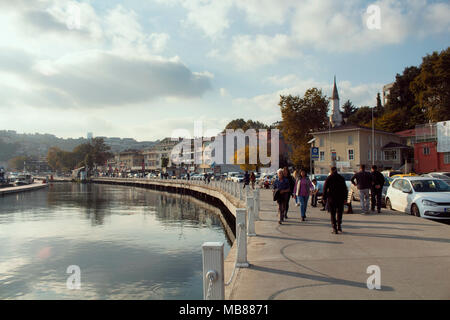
300 117
87 154
245 125
431 87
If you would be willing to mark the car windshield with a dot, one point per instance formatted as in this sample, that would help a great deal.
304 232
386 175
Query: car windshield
432 185
320 177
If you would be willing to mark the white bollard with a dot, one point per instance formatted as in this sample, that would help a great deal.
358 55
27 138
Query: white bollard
241 234
251 217
213 271
256 201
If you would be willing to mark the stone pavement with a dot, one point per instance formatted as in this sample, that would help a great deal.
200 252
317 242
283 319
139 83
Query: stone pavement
303 260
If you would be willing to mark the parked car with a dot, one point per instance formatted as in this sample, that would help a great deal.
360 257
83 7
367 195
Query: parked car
231 175
437 176
420 196
390 173
404 175
320 181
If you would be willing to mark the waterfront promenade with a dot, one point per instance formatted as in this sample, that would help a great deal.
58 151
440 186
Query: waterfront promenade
29 187
303 260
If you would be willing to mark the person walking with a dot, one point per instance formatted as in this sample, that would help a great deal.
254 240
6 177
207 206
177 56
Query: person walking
281 194
287 174
253 179
295 175
314 193
246 179
335 194
302 191
377 188
363 183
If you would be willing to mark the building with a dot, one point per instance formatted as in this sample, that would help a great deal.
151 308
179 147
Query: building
126 161
89 136
336 115
386 91
431 147
349 146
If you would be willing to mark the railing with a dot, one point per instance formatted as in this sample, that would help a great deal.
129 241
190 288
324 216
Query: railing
213 254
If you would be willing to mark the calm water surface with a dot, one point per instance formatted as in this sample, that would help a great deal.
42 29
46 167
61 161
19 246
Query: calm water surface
129 243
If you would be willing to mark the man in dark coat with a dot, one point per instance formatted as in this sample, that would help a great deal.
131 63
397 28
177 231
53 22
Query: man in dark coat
377 188
335 194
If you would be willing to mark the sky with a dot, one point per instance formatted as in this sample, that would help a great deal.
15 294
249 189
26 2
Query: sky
145 69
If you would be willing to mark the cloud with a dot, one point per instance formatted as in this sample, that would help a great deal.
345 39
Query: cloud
110 61
267 104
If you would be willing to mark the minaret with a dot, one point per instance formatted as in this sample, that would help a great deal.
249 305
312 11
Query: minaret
336 116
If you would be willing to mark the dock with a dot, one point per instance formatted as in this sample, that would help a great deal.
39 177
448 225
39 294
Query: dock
303 260
24 188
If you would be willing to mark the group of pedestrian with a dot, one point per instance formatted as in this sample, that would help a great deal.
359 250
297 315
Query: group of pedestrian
369 183
249 178
286 186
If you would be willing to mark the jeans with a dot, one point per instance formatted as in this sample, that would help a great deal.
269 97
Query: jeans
364 198
303 200
336 209
376 195
314 200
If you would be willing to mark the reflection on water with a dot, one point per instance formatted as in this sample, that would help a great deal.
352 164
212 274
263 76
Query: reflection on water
129 243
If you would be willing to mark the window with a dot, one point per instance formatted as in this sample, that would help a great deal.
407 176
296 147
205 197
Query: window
375 155
447 157
322 155
390 155
381 141
426 150
369 154
370 140
321 142
351 155
350 140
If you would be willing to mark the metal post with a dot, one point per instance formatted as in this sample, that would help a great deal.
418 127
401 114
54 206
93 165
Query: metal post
251 217
256 201
241 227
213 271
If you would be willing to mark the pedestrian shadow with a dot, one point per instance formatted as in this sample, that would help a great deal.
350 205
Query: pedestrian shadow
386 222
349 226
401 237
300 239
326 280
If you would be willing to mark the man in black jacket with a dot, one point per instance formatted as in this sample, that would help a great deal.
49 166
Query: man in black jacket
377 188
364 183
335 194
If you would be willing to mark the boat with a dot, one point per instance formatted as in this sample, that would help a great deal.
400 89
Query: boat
23 178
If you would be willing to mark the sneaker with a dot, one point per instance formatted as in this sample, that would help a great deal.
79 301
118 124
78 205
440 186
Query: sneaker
334 231
340 229
297 204
279 222
303 218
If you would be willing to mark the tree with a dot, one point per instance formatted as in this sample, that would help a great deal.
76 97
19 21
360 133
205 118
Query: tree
18 163
300 117
245 125
164 162
362 116
379 107
349 109
245 154
431 86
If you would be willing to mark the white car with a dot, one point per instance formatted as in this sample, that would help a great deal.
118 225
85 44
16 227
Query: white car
420 196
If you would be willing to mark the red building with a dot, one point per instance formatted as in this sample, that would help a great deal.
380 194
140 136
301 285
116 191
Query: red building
426 157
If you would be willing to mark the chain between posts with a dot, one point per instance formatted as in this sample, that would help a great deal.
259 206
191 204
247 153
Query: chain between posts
240 227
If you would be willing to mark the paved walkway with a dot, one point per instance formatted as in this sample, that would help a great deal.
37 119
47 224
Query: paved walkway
303 260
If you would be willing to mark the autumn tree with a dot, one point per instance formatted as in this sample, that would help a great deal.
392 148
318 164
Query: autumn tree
300 117
431 86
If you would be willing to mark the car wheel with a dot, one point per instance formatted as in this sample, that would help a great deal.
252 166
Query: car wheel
388 204
415 210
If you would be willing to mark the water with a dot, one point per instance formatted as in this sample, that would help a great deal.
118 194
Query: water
129 243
